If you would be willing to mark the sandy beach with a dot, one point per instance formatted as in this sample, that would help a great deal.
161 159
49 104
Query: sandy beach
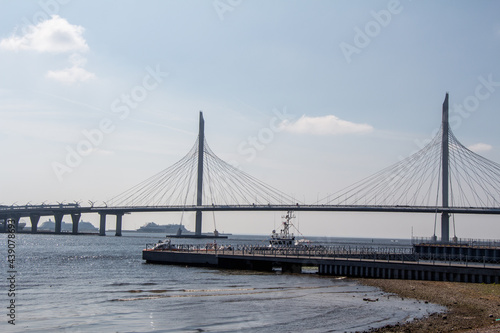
471 307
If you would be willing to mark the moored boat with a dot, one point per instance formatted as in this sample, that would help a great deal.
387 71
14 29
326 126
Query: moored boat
285 238
164 245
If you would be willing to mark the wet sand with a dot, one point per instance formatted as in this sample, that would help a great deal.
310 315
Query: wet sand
471 307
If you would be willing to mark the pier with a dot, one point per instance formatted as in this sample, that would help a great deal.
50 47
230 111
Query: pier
399 264
471 250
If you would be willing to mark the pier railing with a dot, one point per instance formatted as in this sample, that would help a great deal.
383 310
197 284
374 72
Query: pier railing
400 254
470 242
340 251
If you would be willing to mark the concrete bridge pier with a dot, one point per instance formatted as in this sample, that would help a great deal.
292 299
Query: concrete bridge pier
197 229
58 218
102 224
16 222
119 217
75 218
445 228
34 218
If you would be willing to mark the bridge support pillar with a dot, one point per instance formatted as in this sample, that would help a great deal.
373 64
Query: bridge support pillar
197 231
102 224
119 224
34 218
16 222
75 218
445 228
58 218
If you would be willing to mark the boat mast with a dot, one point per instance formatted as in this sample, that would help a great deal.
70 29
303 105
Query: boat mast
286 224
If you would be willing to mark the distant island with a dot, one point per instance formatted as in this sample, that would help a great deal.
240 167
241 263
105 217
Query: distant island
166 228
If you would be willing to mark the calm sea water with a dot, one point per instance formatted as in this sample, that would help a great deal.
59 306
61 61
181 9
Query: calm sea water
101 284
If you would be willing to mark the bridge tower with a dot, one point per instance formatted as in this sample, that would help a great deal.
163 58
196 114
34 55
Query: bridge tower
445 216
199 194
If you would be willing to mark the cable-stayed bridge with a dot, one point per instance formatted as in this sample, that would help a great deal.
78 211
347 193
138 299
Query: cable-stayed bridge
443 178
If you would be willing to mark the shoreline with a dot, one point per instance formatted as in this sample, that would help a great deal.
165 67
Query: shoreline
471 307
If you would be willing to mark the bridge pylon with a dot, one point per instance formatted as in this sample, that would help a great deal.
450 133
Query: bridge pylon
445 155
199 193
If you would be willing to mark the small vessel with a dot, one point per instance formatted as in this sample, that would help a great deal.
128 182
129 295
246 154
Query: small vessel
164 245
284 238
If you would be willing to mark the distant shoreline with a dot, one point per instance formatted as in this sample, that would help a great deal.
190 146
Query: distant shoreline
45 232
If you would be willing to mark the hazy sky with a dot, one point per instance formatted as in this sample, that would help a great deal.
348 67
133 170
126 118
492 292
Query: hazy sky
308 96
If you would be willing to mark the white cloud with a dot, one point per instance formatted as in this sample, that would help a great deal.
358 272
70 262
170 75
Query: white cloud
478 147
56 35
71 75
75 73
326 125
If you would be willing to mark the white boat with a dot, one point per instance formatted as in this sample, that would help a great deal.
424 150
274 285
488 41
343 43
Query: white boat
171 229
285 238
67 227
152 227
164 245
